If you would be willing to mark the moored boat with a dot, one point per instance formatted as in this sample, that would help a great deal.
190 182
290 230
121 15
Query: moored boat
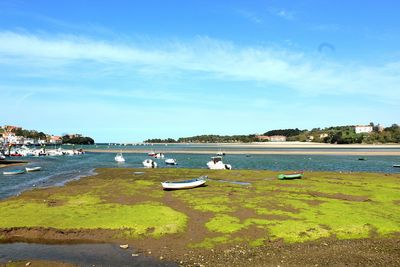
296 175
148 163
14 172
217 164
33 169
170 162
119 158
186 184
396 166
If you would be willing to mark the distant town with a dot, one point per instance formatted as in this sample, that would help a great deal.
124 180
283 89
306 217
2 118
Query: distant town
15 135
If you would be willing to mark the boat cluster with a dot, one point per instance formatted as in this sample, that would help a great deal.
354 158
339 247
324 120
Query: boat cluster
25 151
27 169
149 163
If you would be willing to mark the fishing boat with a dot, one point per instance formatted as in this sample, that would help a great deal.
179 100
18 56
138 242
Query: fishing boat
217 164
184 184
159 156
33 169
296 175
119 158
14 172
148 163
170 162
396 166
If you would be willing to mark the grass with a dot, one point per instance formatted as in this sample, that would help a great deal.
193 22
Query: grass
321 205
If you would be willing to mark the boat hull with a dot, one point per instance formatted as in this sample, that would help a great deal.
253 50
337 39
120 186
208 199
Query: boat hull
33 169
290 176
14 172
183 184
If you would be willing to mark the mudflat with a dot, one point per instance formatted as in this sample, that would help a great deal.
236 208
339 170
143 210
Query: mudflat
326 218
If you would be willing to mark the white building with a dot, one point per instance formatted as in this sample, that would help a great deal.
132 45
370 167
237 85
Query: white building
363 129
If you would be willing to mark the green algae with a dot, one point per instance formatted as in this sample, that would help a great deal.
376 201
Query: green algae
321 205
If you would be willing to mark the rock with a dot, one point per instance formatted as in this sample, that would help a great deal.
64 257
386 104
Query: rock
161 257
149 252
28 263
135 255
124 246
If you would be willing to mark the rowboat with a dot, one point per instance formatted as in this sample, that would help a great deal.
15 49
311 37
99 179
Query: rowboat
289 176
170 162
14 172
396 166
185 184
33 169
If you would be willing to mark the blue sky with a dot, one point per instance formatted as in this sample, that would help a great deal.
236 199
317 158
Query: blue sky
125 71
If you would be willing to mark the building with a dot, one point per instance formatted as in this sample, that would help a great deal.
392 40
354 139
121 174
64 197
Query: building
55 139
11 128
272 138
277 138
363 129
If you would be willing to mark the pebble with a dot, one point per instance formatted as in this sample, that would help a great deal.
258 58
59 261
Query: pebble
124 246
161 257
135 255
149 252
28 263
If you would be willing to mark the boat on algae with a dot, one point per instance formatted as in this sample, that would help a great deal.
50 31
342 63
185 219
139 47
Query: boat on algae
186 184
290 176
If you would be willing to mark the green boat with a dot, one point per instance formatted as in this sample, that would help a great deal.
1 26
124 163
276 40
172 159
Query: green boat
296 175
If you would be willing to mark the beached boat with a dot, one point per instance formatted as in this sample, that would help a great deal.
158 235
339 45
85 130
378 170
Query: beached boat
170 162
148 163
33 169
296 175
14 172
185 184
217 164
119 158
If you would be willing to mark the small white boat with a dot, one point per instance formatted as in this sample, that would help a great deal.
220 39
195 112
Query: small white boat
33 169
148 163
220 153
14 172
159 155
185 184
170 162
119 158
217 164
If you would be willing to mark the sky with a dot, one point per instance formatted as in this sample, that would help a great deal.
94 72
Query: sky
126 71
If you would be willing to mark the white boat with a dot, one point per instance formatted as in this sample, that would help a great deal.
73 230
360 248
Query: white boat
217 164
159 155
33 169
119 158
171 161
14 172
185 184
220 153
148 163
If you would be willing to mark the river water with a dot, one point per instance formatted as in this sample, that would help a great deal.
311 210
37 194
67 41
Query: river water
58 170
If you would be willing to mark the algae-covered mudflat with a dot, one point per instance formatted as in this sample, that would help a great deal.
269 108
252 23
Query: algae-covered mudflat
129 205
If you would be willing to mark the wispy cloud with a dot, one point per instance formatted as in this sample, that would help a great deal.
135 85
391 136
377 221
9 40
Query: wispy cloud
250 16
282 13
202 57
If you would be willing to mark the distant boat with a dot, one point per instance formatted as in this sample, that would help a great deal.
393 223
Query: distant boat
149 163
361 158
296 175
151 154
185 184
396 166
159 155
14 172
171 161
220 153
33 169
119 158
217 164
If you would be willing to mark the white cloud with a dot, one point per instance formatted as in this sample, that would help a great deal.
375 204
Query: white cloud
208 58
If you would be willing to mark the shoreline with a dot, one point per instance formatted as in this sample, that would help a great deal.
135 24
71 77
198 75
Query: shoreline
256 152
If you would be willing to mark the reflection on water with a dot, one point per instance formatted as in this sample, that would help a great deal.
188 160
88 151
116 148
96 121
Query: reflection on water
80 254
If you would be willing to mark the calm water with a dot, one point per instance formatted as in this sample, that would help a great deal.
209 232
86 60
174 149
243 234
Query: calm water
58 170
80 254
